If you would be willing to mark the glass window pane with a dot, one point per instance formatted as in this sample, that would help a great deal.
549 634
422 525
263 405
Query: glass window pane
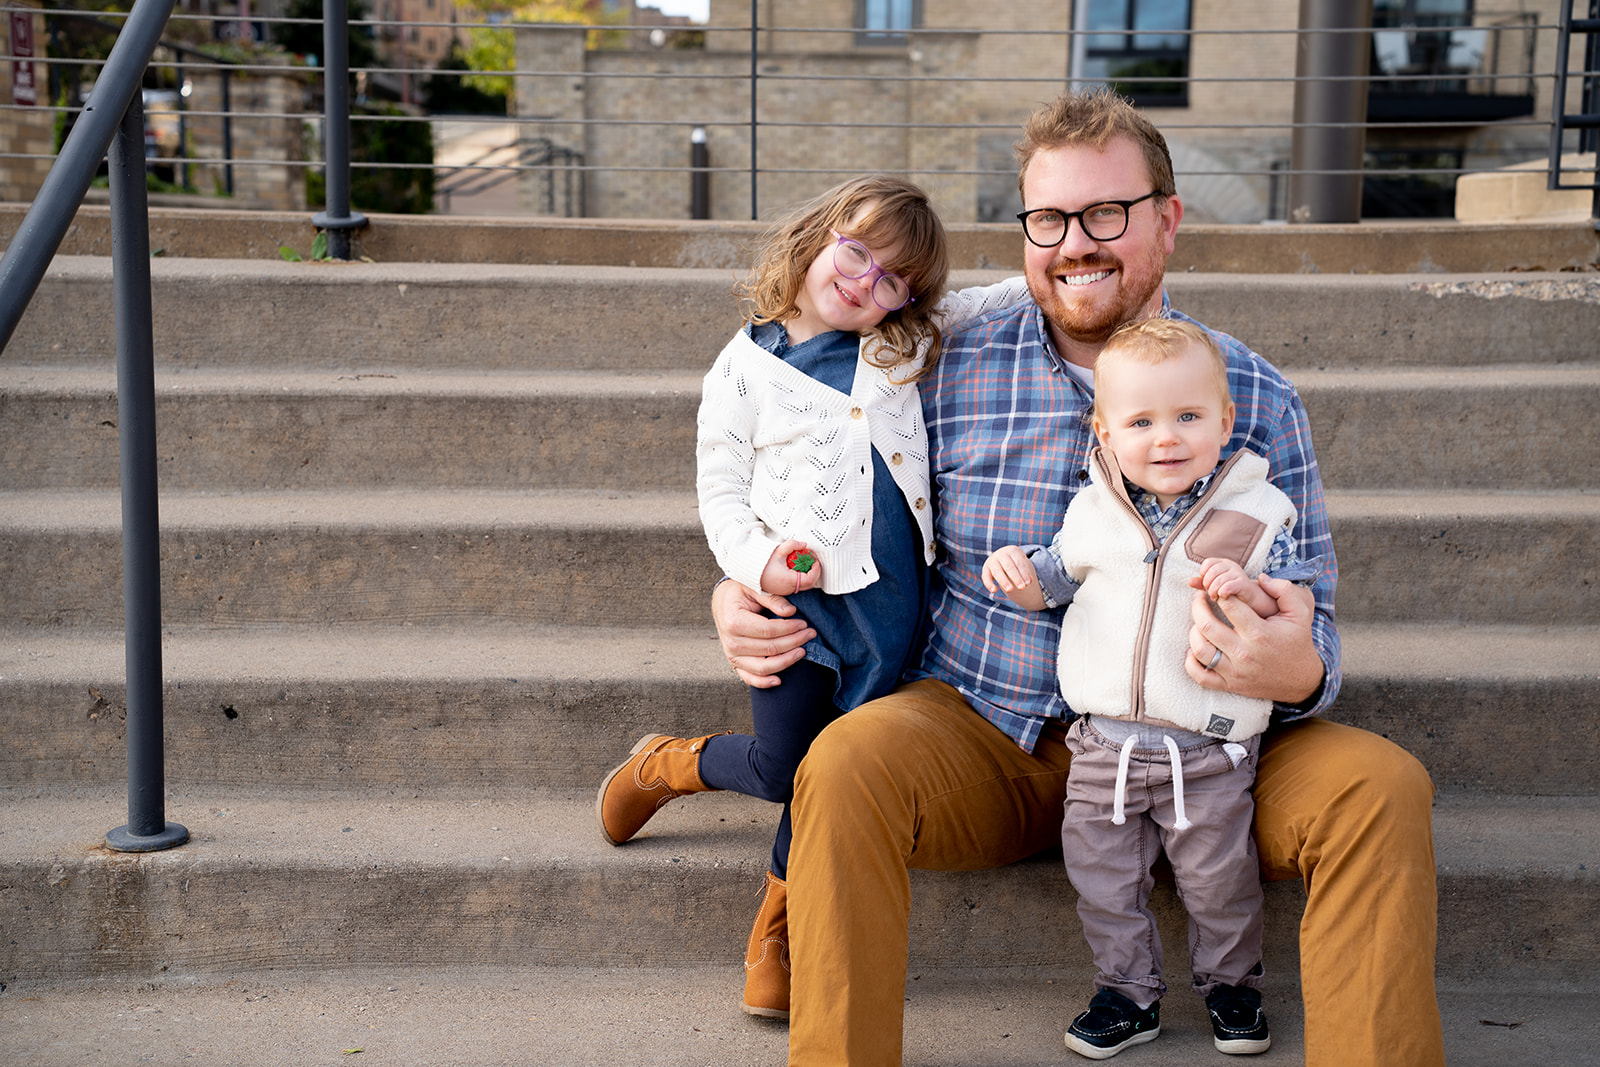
886 15
1160 15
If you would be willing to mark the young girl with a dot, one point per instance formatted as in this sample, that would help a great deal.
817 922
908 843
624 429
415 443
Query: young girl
814 484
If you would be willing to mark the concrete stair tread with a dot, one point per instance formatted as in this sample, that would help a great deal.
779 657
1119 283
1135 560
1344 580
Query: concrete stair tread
80 508
381 509
432 826
375 653
303 880
227 382
489 649
679 316
514 1016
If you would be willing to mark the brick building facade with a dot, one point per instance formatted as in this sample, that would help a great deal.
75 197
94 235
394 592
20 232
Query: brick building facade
836 98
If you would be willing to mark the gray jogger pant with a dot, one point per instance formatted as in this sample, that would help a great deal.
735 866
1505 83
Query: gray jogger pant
1214 861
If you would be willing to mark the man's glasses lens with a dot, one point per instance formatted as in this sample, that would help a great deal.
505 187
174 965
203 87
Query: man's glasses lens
1102 222
890 291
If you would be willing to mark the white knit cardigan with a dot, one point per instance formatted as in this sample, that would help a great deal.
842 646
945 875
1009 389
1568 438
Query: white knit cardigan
1126 633
782 456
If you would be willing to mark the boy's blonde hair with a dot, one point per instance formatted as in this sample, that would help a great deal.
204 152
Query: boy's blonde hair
875 210
1153 341
1093 118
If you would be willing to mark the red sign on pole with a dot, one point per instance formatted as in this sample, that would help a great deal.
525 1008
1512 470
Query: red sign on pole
24 90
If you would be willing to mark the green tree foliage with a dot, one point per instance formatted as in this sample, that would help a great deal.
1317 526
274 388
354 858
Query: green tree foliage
307 38
448 91
492 51
402 190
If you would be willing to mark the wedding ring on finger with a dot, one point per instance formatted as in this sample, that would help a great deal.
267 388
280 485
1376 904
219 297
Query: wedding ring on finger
1216 658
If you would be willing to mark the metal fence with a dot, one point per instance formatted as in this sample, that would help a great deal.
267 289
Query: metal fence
1439 103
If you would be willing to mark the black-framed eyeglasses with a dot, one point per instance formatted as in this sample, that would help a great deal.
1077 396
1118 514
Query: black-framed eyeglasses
1105 221
851 258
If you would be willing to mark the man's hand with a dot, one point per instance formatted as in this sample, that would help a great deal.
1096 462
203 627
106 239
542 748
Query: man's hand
757 646
1271 658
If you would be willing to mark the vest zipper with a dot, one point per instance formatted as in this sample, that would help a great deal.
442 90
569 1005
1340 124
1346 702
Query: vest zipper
1156 557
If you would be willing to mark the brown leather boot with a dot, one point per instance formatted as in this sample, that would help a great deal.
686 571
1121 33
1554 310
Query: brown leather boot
660 768
766 958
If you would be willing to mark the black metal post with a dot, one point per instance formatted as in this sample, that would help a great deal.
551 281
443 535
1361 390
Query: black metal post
28 255
227 132
183 130
147 829
336 218
1589 139
754 51
699 175
1330 111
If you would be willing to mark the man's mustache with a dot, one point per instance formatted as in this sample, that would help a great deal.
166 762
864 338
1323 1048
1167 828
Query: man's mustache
1098 261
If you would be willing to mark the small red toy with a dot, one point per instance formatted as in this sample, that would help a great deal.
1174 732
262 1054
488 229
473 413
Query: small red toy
800 561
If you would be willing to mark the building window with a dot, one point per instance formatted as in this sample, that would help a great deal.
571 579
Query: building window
885 22
1141 49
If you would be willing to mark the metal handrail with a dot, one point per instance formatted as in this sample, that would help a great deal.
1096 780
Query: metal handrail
114 121
1587 119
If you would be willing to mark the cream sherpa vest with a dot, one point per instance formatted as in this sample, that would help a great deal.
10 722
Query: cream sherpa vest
1126 633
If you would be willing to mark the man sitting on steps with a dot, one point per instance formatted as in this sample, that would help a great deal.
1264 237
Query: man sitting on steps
964 766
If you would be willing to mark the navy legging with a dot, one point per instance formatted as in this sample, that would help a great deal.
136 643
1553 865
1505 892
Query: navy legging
787 718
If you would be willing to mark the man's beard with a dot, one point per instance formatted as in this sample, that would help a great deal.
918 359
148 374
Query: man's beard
1095 323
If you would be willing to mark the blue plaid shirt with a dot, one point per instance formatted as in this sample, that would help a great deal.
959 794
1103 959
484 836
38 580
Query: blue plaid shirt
1009 440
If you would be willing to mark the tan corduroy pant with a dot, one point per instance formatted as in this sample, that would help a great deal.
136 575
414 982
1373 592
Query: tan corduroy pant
917 779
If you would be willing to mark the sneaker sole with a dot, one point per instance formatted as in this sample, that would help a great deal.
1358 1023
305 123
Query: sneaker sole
600 797
1240 1046
1094 1052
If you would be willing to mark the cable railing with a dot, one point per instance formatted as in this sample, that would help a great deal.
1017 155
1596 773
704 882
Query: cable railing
614 132
939 119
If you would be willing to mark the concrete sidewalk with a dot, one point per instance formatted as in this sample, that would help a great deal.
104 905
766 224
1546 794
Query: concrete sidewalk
663 1018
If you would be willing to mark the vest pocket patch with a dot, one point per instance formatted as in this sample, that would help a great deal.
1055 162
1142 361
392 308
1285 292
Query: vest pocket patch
1225 534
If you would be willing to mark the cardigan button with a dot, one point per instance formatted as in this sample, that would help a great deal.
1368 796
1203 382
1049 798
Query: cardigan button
920 504
855 413
896 459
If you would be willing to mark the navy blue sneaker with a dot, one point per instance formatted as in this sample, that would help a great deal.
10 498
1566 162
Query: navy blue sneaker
1238 1026
1112 1023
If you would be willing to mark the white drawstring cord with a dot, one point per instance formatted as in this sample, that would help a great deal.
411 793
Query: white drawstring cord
1118 802
1182 822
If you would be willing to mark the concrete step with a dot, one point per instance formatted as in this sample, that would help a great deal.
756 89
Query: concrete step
356 317
245 430
640 559
1477 428
1467 428
346 709
411 877
583 1016
1387 246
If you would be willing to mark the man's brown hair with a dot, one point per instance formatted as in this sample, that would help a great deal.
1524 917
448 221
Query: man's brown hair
1094 118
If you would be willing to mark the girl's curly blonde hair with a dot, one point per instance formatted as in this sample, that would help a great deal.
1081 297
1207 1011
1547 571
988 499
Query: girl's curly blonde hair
877 210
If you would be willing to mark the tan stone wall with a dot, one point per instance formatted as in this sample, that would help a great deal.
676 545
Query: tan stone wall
24 130
983 69
268 135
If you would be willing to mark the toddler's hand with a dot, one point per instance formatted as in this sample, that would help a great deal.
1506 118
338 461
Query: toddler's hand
1222 577
780 577
1008 569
